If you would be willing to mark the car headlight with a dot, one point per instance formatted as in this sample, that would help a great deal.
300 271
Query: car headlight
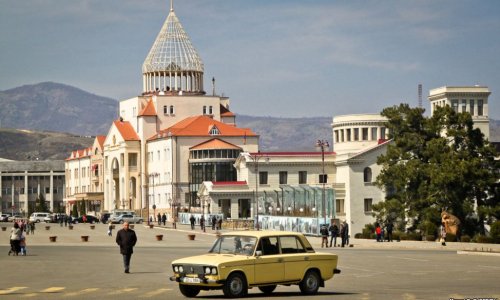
176 269
210 270
181 269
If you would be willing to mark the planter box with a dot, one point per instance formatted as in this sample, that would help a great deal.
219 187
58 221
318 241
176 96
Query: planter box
191 237
159 237
52 239
131 226
47 227
85 238
92 227
4 228
151 226
70 227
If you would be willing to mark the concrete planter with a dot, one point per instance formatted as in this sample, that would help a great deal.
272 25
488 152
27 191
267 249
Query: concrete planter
151 226
47 227
4 228
70 227
159 237
52 239
131 226
85 238
191 237
92 227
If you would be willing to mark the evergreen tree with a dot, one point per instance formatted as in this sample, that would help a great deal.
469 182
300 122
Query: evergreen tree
41 205
435 164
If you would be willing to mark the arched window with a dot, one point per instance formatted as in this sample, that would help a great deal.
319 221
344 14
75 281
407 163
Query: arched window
367 175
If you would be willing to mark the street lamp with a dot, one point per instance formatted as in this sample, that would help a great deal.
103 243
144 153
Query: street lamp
256 157
153 175
323 144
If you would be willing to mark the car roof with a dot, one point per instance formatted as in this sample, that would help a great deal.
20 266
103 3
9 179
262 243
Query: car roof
262 233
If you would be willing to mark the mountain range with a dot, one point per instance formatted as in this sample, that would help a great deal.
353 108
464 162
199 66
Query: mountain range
48 120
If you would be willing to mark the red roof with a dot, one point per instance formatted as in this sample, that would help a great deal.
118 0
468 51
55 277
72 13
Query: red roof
224 112
100 140
148 110
126 130
201 126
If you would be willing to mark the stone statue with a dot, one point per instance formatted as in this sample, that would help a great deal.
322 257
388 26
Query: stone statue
450 222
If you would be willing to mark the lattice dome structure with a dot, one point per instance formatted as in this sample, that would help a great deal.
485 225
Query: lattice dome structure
173 64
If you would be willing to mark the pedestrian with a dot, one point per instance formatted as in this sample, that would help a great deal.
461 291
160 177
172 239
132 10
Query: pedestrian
443 234
164 219
61 220
389 228
32 227
110 228
219 223
202 222
214 222
159 218
28 227
324 236
126 239
22 245
342 234
334 232
191 220
150 219
346 233
378 232
84 218
15 239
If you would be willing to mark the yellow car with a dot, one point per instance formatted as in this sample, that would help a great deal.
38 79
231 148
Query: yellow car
242 260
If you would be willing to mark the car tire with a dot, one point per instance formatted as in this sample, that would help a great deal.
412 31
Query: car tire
189 291
310 283
121 221
235 286
140 221
268 289
38 221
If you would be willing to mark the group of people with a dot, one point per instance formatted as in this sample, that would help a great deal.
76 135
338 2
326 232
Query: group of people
334 232
18 234
215 222
382 234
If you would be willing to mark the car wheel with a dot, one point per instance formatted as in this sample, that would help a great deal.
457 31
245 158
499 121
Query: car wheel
235 286
121 221
38 221
268 289
189 291
310 284
140 221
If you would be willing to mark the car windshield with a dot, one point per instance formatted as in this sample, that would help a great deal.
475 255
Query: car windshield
234 244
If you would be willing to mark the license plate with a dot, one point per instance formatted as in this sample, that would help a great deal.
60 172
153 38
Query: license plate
191 280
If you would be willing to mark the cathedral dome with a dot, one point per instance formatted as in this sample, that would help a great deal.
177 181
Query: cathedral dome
172 64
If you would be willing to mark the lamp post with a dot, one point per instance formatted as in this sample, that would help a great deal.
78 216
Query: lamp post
323 144
256 157
153 175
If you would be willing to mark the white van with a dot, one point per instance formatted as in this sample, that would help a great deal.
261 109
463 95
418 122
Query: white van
39 217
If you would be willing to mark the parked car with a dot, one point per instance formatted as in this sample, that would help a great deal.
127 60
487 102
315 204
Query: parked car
14 217
263 259
38 217
90 219
105 217
126 218
4 217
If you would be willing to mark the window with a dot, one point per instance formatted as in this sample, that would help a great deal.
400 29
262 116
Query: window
364 132
302 177
479 107
348 135
262 177
210 110
165 109
464 105
382 133
47 190
214 131
368 204
204 109
471 107
283 177
323 178
336 136
172 111
290 244
367 175
454 105
374 134
268 246
356 134
339 208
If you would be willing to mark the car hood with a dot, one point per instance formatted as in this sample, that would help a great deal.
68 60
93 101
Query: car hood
211 259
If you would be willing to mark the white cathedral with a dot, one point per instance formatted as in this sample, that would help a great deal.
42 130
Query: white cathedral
177 150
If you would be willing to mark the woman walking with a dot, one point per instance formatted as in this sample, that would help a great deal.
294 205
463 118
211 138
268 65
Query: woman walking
15 239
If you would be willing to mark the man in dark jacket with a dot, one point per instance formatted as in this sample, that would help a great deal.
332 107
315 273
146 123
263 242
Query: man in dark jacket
126 239
334 233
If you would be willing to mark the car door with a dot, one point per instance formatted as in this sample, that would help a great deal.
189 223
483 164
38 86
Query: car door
269 267
295 257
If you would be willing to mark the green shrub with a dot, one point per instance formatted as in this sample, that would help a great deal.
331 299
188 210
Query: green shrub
413 236
450 237
430 238
403 236
358 235
495 232
396 236
483 239
368 231
465 238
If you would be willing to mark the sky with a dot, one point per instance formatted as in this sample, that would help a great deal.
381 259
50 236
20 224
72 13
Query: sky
293 58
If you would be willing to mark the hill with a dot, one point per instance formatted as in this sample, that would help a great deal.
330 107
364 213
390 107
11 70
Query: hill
46 109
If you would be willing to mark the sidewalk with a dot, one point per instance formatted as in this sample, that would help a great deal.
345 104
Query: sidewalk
99 237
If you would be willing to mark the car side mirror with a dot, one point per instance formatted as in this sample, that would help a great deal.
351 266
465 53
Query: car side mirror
258 253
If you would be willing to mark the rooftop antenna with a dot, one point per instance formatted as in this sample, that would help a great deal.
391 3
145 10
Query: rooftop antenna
213 86
420 95
171 5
